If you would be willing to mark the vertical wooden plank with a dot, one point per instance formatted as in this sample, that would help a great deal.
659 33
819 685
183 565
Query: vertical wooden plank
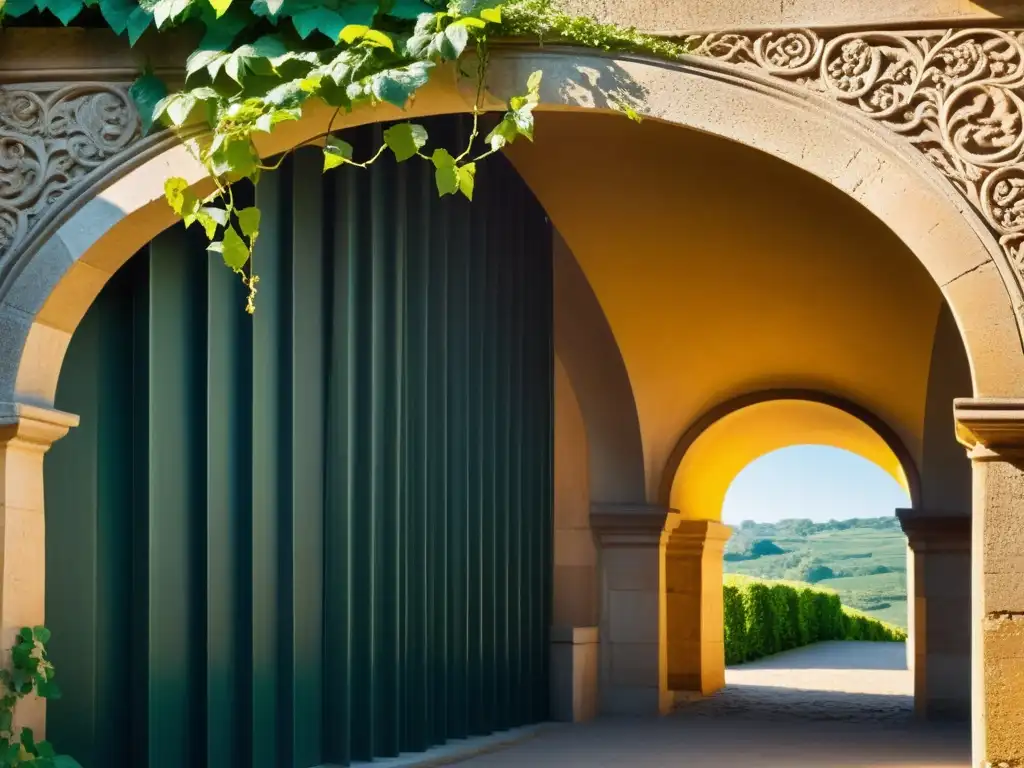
270 436
438 474
73 511
307 460
382 397
228 502
341 451
176 491
365 585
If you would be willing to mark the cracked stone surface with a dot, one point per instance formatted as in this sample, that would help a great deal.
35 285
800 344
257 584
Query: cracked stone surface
847 705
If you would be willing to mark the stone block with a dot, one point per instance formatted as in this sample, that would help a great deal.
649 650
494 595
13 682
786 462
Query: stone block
635 664
631 568
633 617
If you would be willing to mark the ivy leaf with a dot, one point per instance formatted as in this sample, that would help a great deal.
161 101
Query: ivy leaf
209 218
319 19
28 740
503 133
6 717
405 140
205 58
45 750
467 179
446 173
63 761
374 38
407 9
471 21
138 23
147 92
267 8
178 107
245 57
48 689
42 634
456 36
165 10
232 249
220 7
395 86
234 156
174 192
336 152
249 221
16 8
116 13
65 10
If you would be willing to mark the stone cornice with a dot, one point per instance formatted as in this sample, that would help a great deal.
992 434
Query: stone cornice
990 428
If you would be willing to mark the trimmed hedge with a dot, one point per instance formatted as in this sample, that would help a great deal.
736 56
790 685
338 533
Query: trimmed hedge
765 617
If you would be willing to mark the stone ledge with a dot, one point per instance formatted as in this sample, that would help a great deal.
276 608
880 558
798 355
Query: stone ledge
574 635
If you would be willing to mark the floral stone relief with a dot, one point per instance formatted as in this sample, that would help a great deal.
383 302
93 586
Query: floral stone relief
53 136
957 95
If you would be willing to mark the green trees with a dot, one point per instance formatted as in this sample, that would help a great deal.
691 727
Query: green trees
764 617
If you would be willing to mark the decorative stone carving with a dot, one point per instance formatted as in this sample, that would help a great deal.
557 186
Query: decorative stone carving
957 95
51 137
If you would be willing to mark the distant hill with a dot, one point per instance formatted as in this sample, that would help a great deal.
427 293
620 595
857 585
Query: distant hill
864 559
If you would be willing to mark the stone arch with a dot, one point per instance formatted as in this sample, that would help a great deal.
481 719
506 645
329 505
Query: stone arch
907 471
47 288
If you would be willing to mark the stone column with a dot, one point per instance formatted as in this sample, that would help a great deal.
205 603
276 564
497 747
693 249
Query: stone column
633 671
694 608
993 430
26 433
940 602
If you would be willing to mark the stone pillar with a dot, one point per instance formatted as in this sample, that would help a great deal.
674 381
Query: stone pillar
993 431
26 433
940 604
633 671
574 675
694 608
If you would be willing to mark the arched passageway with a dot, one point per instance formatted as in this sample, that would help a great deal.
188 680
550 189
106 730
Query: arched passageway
942 250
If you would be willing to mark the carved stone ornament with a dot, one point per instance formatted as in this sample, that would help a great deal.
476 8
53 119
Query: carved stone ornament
52 136
957 95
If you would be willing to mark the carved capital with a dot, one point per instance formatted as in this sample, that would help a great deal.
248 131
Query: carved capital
32 428
956 95
935 533
990 428
629 525
692 538
55 137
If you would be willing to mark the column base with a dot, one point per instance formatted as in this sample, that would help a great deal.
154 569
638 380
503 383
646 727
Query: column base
574 674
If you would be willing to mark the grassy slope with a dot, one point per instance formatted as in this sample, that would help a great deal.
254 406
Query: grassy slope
851 553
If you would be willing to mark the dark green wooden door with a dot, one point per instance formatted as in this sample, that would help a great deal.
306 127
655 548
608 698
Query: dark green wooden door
321 534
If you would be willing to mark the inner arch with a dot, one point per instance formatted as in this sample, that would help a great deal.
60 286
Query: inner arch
716 454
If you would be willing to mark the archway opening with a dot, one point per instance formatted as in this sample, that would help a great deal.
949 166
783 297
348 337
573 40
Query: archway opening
708 625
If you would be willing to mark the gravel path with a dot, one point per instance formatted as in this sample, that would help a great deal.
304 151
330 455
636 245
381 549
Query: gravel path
831 705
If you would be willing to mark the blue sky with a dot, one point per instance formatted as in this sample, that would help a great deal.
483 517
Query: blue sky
811 481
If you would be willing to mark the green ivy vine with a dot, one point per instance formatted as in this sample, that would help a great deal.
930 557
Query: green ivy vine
259 62
31 673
